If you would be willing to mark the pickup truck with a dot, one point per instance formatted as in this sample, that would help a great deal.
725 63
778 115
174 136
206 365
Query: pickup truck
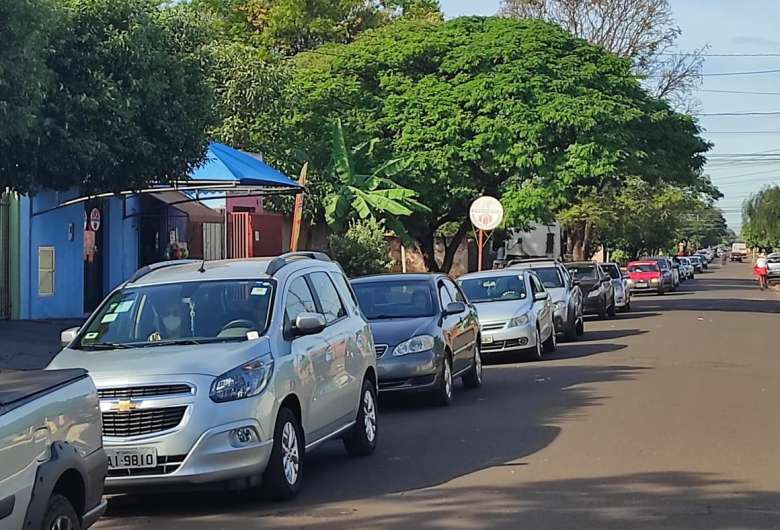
52 463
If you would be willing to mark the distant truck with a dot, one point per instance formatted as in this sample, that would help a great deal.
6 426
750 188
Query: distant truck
52 463
738 252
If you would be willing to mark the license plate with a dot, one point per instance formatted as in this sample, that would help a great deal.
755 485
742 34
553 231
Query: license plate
131 458
641 284
487 340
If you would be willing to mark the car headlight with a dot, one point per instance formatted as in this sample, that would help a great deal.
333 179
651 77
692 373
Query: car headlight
653 280
244 381
522 320
414 345
593 294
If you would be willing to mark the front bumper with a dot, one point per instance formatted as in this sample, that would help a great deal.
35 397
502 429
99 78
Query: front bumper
508 339
412 372
592 306
202 447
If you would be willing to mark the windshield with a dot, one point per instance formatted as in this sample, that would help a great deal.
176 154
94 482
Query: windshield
646 267
192 313
550 276
395 299
613 271
583 272
494 288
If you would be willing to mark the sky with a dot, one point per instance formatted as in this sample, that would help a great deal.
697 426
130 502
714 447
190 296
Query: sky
726 27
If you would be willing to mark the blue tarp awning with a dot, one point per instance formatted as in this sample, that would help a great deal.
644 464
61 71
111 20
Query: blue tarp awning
224 164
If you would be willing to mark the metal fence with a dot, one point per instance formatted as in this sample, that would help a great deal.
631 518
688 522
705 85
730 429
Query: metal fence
5 256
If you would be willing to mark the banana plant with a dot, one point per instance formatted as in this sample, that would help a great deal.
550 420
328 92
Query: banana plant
366 196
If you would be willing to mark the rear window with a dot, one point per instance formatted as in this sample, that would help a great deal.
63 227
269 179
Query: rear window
583 272
613 271
550 276
395 299
643 267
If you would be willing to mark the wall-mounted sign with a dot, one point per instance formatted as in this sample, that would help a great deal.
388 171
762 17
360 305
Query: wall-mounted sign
94 219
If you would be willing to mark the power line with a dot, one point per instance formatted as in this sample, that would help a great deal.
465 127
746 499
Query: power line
748 113
748 92
681 54
740 132
724 74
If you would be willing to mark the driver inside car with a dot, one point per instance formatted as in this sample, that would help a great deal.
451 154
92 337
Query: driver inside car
170 317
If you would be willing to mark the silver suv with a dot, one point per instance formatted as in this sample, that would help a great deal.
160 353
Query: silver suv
228 371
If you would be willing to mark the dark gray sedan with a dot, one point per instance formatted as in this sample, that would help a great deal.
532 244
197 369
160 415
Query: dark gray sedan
425 332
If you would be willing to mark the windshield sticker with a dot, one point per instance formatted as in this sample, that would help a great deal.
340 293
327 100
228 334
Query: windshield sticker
91 336
124 307
109 318
252 335
259 291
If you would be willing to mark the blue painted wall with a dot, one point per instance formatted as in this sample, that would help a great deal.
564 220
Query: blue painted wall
51 228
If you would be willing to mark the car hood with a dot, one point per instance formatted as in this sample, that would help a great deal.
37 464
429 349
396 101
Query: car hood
204 359
393 331
500 311
557 294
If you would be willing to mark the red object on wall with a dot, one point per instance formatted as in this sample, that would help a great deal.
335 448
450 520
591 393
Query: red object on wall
239 235
254 235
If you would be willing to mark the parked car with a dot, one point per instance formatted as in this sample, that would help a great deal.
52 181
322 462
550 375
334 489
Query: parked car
426 334
52 464
773 266
621 286
228 371
564 290
686 267
665 266
516 313
644 276
596 285
698 264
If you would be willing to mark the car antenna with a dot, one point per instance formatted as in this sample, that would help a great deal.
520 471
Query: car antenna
202 268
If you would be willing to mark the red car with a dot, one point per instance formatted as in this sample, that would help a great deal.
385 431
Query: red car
645 276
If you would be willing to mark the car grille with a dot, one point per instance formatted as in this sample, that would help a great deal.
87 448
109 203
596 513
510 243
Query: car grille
505 344
143 391
492 326
138 422
165 466
380 349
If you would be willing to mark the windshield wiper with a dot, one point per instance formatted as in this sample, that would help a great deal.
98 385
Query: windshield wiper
172 342
106 346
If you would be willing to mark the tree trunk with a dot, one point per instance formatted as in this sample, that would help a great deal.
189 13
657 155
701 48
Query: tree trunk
576 240
428 248
451 250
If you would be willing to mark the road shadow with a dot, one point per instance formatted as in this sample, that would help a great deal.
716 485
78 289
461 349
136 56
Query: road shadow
30 344
581 348
634 314
517 412
725 305
606 334
674 500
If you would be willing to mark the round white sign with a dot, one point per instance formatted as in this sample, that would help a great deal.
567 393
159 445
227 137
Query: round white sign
486 213
94 219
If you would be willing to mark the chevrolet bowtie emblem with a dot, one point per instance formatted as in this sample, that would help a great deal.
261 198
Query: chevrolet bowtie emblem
123 406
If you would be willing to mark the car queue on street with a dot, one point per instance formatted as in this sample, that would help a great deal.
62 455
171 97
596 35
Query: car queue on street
229 372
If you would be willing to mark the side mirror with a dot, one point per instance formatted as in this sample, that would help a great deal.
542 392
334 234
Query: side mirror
538 297
455 308
308 324
606 280
68 336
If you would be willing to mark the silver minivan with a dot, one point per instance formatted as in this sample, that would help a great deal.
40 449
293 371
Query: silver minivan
228 371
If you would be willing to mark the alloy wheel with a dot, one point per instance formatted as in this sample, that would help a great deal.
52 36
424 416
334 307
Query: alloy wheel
478 364
62 523
369 415
447 378
290 453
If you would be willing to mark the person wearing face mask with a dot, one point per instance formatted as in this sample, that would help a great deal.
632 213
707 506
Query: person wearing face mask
170 320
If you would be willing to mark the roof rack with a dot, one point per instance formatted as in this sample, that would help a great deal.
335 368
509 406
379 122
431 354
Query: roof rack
285 259
143 271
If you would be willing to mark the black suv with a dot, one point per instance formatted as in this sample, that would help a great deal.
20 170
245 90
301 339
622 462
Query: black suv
596 284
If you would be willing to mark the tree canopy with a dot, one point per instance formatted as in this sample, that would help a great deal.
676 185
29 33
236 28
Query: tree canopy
130 105
761 218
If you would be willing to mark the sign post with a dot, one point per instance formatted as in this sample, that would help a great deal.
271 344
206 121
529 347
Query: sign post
486 213
295 231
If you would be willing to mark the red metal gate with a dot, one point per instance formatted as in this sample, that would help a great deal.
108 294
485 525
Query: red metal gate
239 235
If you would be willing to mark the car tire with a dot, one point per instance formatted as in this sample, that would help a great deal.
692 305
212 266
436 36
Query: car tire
551 344
535 353
362 438
627 307
282 476
661 291
571 333
60 514
580 327
603 312
611 311
473 379
442 396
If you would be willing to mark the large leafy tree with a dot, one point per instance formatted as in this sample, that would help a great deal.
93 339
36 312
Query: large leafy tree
24 76
761 219
131 106
495 106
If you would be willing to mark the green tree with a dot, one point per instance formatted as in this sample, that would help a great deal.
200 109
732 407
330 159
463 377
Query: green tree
131 106
362 250
24 76
761 219
367 196
488 105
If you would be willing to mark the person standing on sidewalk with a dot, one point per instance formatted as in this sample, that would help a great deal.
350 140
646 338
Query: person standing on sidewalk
760 270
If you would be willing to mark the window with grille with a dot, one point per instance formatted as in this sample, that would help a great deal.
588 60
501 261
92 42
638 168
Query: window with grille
45 271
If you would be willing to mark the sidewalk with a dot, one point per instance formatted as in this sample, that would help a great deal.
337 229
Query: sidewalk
26 344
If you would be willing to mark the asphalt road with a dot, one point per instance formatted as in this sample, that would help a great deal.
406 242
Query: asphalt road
664 418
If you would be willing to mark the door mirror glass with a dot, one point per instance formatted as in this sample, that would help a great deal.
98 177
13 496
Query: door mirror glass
541 296
308 324
455 308
68 336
